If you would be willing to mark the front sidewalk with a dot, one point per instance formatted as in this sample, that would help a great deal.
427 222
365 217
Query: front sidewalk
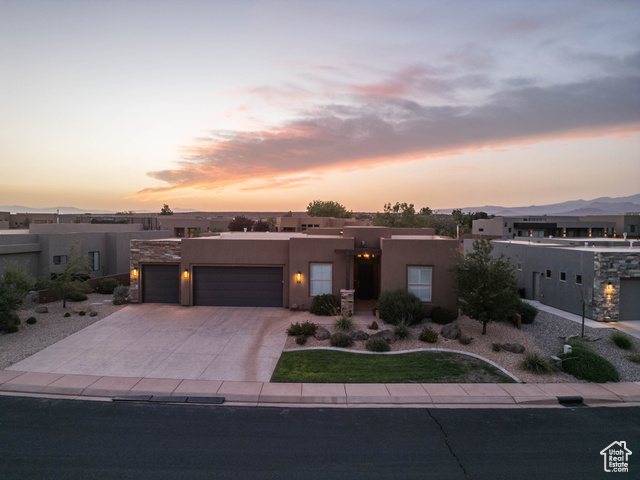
426 395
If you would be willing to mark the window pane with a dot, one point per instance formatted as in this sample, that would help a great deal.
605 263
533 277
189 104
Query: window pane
419 282
321 278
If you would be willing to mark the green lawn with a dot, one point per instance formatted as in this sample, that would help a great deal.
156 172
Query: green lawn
329 366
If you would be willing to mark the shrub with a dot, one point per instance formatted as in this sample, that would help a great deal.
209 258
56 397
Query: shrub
536 363
442 315
621 340
428 335
301 339
634 357
120 294
377 344
402 330
343 322
340 339
396 306
325 305
67 315
76 297
373 326
31 320
306 329
527 312
107 286
82 314
496 347
465 340
585 364
12 329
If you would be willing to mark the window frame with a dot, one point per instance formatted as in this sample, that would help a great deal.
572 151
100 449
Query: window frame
93 256
316 283
428 286
62 260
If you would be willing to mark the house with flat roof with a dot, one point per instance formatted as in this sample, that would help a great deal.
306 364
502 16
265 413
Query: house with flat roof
289 269
564 273
543 226
304 223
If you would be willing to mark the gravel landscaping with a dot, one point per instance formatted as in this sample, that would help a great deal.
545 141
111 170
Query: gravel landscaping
544 336
51 327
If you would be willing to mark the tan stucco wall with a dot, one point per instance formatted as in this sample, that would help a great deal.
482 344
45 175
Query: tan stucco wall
398 254
304 251
370 235
234 252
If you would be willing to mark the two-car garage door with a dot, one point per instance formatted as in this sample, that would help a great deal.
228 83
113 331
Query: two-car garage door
215 286
237 286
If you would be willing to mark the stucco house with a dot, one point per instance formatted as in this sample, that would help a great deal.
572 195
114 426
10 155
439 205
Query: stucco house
289 269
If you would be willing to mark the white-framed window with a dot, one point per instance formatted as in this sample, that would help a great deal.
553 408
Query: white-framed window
94 258
320 278
419 282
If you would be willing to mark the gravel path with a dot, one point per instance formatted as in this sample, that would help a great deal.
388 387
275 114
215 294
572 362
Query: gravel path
543 336
51 327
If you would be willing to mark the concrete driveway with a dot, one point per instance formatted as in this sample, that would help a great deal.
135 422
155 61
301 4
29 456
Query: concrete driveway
167 341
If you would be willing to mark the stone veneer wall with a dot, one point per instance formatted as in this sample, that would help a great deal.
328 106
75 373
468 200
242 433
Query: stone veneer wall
154 251
611 267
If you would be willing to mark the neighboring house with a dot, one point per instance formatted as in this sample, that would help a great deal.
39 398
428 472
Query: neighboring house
289 269
5 220
24 220
562 272
45 248
302 224
543 226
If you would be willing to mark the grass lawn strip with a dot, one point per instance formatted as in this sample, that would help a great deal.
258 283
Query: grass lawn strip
329 366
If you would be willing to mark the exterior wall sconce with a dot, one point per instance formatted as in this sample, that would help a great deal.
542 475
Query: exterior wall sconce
609 287
134 273
186 274
366 255
299 277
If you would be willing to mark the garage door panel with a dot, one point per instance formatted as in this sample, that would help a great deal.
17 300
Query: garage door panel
629 299
238 286
160 284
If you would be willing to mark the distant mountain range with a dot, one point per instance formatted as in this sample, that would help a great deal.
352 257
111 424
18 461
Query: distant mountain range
597 206
71 210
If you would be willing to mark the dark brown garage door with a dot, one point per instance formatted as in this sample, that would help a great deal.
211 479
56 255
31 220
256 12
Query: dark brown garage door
629 299
237 286
160 284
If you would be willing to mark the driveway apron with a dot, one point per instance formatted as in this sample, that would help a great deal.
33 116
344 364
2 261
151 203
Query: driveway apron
167 341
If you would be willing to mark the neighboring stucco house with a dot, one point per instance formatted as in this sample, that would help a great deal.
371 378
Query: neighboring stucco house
45 247
562 272
289 269
540 226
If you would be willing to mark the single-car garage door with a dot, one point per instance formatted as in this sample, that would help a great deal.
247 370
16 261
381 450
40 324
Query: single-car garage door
237 286
629 299
160 283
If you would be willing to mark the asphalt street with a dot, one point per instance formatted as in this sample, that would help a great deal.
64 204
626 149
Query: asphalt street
72 439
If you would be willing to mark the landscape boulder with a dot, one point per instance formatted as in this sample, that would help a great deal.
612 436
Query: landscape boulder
388 335
93 314
42 309
359 335
322 334
14 319
451 331
512 347
31 297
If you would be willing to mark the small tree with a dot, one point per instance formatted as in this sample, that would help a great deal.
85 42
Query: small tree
261 226
485 285
239 223
319 208
14 285
166 210
73 277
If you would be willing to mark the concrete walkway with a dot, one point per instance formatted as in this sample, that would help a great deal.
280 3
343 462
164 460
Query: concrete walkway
443 395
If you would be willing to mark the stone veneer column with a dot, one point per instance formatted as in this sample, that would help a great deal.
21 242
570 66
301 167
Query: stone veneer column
609 267
151 251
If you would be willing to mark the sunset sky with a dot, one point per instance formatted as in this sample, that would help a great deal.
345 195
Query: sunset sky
267 105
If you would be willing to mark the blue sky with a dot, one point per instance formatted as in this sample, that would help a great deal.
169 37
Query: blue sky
267 105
